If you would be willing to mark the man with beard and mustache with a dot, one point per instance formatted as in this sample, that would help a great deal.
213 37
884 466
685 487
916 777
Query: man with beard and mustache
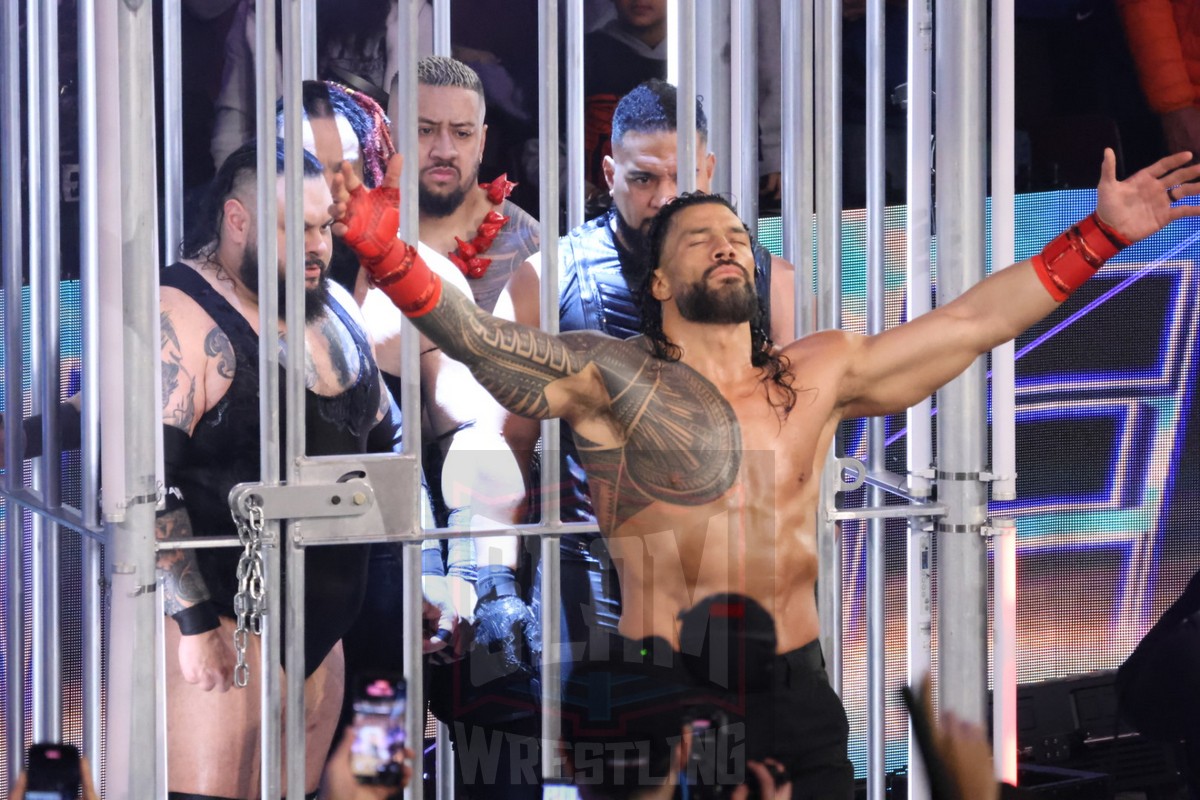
210 320
342 126
473 477
601 263
472 465
475 450
704 441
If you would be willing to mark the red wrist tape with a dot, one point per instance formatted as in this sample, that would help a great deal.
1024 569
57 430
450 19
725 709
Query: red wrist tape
1073 256
406 279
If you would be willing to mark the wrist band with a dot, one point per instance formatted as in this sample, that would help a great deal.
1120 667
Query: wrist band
1073 256
372 220
465 571
431 562
70 431
496 580
406 279
200 618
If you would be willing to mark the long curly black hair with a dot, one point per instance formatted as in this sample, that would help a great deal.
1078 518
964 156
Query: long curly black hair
763 353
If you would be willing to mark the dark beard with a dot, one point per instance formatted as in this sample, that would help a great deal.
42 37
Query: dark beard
632 239
443 205
316 300
726 305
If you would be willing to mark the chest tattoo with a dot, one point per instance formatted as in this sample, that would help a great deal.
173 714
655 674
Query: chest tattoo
682 446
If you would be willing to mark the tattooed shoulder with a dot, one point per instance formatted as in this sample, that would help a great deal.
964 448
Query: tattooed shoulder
178 381
218 348
683 443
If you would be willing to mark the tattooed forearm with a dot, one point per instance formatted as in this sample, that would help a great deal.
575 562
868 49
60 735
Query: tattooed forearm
178 384
513 363
182 585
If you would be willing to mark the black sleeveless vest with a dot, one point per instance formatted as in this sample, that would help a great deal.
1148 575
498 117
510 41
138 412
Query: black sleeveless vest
224 451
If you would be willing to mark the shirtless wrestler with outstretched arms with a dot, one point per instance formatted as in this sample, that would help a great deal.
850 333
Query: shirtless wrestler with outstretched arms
702 442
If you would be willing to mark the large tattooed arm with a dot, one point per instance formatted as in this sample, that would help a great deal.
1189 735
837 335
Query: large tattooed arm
206 655
529 372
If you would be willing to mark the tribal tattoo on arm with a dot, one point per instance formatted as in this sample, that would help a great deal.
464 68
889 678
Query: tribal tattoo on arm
183 586
218 348
513 363
670 435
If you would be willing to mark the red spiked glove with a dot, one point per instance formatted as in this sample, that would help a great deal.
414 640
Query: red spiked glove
372 221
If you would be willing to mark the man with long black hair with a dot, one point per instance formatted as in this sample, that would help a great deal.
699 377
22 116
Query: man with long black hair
601 265
703 442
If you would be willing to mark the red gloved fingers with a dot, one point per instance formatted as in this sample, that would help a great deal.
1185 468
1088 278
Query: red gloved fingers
372 221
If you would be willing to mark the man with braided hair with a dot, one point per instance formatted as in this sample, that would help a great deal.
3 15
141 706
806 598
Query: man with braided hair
703 442
342 126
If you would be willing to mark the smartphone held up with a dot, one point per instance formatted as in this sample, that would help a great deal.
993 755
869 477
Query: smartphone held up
377 754
53 772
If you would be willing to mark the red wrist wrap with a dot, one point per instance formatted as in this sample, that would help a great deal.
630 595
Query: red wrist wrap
372 220
406 279
1074 255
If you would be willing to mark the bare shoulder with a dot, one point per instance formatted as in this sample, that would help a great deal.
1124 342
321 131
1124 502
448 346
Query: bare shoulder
823 344
781 266
824 355
197 359
520 301
602 369
185 326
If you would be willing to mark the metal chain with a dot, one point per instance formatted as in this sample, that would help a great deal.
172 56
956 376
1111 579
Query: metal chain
250 602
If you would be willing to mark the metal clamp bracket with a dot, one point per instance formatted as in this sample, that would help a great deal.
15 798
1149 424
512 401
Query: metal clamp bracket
849 464
335 500
302 501
984 477
1000 526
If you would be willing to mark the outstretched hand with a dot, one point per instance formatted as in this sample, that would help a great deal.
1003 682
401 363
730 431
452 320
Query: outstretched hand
1144 203
361 215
